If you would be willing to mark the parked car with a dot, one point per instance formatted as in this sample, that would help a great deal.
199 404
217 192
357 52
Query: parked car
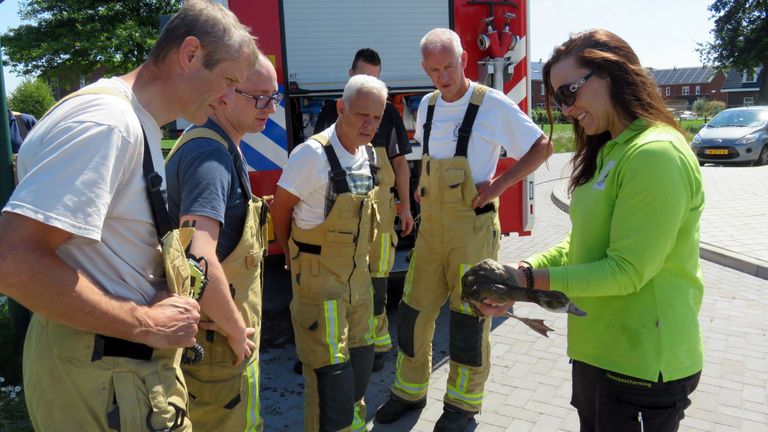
736 135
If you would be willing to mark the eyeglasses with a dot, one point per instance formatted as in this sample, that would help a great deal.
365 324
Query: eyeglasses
565 95
262 101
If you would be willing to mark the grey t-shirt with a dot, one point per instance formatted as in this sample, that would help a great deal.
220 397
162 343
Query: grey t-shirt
203 180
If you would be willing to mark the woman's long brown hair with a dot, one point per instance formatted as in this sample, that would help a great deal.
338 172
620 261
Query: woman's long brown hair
633 92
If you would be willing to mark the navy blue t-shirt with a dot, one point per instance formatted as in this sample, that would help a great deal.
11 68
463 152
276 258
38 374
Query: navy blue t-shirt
16 135
203 179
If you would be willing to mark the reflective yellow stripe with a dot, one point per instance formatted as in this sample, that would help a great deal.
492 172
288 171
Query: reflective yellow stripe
459 391
381 268
383 340
408 284
465 308
253 415
411 388
470 398
358 423
331 312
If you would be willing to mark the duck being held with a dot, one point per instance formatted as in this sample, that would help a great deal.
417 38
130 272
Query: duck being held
492 283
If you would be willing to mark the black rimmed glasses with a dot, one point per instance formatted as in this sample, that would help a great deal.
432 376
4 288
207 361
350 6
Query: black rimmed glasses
262 101
565 95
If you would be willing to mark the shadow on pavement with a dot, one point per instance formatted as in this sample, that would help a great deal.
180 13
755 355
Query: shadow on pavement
282 390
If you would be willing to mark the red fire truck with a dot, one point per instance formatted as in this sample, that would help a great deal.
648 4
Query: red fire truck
311 44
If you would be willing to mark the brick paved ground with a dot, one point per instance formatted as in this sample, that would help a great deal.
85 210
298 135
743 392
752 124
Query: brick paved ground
529 385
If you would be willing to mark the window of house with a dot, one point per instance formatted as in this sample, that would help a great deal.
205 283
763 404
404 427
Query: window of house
666 91
698 90
686 90
659 89
749 101
539 105
542 89
749 76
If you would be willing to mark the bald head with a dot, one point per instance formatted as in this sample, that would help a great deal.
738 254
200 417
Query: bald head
239 112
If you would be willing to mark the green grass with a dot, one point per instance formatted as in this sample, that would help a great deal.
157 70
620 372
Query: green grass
167 145
562 135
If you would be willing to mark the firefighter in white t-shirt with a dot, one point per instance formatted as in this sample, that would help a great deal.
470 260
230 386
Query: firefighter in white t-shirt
81 235
462 127
325 218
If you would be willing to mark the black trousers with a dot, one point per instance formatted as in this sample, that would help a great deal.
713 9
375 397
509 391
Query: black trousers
608 401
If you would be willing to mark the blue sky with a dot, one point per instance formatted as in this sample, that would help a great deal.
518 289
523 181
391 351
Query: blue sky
662 32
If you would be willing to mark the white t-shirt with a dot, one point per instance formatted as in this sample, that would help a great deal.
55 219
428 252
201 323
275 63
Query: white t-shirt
81 171
307 172
499 123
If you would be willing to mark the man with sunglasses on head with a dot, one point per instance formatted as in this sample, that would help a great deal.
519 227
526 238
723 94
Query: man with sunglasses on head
208 188
462 127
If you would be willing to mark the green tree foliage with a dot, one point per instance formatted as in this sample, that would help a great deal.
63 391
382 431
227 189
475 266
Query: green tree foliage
32 97
69 38
740 38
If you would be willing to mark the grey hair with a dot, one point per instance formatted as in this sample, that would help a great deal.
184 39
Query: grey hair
440 38
220 33
363 82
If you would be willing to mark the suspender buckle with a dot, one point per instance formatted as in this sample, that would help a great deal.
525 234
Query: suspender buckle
154 182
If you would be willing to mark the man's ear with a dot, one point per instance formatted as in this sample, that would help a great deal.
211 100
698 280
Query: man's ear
464 57
340 108
190 52
224 100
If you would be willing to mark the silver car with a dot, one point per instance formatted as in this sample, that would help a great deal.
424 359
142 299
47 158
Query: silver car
736 135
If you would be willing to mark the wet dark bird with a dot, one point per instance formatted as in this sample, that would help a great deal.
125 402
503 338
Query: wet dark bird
489 280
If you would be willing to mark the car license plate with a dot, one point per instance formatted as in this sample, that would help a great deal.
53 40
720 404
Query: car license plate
716 151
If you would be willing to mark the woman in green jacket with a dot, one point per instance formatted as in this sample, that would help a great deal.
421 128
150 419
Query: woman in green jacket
631 260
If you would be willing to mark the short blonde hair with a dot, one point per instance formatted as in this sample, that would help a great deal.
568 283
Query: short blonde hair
220 33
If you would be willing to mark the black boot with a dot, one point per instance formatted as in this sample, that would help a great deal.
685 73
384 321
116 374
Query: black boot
395 408
453 420
378 361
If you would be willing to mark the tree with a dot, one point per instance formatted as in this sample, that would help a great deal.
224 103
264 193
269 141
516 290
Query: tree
32 97
65 39
740 38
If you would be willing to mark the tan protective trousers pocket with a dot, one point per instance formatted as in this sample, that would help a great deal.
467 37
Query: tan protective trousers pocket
148 403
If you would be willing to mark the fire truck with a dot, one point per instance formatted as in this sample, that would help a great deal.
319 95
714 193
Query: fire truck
311 43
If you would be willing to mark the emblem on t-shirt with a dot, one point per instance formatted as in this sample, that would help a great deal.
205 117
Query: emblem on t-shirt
456 127
600 183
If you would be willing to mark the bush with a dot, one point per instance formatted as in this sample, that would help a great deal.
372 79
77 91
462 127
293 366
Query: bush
13 411
32 97
705 108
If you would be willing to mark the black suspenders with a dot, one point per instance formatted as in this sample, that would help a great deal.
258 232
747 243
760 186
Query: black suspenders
338 173
465 130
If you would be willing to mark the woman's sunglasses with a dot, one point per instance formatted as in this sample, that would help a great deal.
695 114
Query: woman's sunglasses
565 95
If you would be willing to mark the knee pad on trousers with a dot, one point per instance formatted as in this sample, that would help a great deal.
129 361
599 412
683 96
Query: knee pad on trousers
379 295
335 391
406 327
362 366
466 339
